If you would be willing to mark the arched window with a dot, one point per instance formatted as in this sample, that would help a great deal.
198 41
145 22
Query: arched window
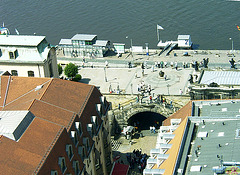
30 73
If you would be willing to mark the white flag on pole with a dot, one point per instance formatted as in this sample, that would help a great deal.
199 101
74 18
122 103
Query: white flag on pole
159 27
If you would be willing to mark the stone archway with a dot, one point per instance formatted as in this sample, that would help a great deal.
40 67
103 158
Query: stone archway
143 120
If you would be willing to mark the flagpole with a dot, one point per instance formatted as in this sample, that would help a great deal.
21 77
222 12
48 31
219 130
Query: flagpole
158 33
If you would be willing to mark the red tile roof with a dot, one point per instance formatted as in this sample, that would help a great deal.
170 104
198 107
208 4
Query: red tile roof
55 106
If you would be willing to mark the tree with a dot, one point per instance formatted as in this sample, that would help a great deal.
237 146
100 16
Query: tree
77 78
71 70
60 69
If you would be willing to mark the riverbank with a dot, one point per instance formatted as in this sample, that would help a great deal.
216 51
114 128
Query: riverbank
215 56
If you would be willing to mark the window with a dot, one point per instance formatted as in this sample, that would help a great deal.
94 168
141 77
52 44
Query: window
30 73
62 164
90 129
99 109
14 72
94 120
97 164
103 101
74 137
97 159
76 167
81 152
86 143
78 126
54 172
69 151
13 55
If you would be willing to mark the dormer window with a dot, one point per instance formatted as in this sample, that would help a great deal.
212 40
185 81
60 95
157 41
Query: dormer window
74 137
90 129
103 101
78 126
94 121
99 109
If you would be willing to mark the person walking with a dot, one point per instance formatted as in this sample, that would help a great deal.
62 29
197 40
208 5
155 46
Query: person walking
154 129
176 65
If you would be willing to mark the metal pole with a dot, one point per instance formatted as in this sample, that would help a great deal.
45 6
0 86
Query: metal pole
232 43
158 34
131 49
132 88
105 75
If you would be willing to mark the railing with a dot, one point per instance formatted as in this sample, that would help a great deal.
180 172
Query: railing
138 104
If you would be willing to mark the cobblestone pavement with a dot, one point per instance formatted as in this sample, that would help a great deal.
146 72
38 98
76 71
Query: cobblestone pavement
145 143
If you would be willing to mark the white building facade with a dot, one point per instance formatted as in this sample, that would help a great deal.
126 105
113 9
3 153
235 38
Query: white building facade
27 56
83 45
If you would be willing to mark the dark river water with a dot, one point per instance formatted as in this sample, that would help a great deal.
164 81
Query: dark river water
209 22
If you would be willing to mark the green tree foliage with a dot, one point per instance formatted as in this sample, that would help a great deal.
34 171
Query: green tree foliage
60 69
77 78
71 70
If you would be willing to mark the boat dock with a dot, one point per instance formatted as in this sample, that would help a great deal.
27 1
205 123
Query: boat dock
183 42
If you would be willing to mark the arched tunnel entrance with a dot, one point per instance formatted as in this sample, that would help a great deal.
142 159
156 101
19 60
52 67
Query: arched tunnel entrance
144 120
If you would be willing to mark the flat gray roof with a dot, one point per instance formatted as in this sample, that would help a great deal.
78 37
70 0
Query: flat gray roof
83 37
219 108
101 43
20 40
183 37
219 120
65 42
221 141
221 77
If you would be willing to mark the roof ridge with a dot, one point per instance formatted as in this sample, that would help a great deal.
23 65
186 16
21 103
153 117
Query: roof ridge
51 80
86 99
49 150
6 92
25 94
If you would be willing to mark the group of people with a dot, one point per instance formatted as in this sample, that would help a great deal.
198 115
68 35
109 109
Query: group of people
142 88
137 158
152 129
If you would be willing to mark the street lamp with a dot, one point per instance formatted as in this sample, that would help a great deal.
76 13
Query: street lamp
130 46
168 85
105 75
232 43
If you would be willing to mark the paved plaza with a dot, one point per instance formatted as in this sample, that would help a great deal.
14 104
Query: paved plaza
127 80
117 77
